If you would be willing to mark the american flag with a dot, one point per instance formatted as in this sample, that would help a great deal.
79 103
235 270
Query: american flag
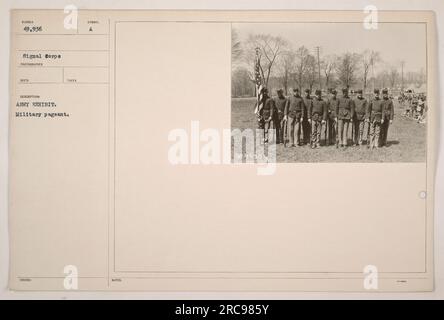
259 83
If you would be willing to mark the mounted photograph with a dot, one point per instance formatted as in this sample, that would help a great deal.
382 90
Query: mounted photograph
331 92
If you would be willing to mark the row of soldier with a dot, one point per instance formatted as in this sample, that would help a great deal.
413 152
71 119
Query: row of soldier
305 119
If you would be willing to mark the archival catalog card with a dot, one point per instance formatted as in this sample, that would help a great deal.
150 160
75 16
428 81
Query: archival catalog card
222 150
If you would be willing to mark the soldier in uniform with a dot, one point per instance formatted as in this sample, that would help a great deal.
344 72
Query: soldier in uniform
306 127
294 114
317 114
331 118
407 112
266 114
414 106
344 115
375 111
421 108
361 117
278 120
388 113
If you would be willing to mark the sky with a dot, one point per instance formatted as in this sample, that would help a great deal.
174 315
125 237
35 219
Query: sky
396 42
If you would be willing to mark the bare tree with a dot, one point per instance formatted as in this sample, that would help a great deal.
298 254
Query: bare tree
415 78
311 71
383 78
286 66
402 75
241 84
421 78
374 58
270 48
236 48
346 69
368 60
393 77
328 66
280 65
302 54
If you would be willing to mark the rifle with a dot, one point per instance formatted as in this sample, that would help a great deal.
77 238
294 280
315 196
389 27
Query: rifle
337 133
368 131
285 133
352 122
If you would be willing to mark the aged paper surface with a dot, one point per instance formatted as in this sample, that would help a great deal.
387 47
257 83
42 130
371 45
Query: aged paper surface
96 199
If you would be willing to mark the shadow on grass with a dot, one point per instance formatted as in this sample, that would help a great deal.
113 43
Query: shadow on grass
392 142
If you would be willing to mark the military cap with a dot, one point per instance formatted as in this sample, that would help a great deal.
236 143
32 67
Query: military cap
296 89
359 91
307 90
318 92
376 91
384 91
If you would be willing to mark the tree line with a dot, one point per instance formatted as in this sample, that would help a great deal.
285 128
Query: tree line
283 66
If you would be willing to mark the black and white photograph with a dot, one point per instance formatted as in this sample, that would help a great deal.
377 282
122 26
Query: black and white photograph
249 152
332 92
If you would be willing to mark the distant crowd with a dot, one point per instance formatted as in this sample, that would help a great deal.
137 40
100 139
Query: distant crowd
415 105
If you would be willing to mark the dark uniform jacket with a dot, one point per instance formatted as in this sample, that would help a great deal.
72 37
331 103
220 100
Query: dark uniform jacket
280 107
268 109
361 109
376 108
345 108
307 103
332 105
295 107
388 109
318 110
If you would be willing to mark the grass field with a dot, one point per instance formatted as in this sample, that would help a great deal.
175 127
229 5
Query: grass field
406 140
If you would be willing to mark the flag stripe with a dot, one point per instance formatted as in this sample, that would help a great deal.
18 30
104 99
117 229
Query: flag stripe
259 84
